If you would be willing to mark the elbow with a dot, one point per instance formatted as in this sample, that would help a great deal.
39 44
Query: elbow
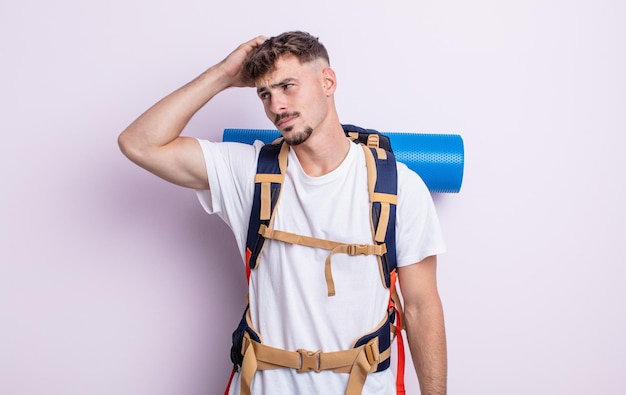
122 143
129 146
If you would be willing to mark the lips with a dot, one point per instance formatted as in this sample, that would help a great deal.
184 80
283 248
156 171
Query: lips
285 119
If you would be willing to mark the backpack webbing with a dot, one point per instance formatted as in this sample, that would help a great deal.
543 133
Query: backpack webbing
271 167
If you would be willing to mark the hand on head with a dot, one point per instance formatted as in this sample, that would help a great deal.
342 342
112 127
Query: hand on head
232 65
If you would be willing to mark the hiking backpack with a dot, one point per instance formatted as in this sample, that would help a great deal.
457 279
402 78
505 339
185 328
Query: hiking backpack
372 351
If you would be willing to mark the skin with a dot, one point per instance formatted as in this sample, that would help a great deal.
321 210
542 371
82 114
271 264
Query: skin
424 324
153 140
299 100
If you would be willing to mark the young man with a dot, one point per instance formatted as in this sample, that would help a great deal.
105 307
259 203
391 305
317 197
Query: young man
325 196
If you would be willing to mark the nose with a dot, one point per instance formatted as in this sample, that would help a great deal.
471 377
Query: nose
277 104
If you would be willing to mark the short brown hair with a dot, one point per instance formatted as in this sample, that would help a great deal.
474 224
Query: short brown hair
302 45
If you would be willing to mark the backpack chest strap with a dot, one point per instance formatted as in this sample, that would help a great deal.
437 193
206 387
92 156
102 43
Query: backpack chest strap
333 246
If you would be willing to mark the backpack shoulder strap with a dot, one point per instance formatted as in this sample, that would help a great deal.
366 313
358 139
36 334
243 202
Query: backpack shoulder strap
268 181
368 137
382 186
382 178
383 189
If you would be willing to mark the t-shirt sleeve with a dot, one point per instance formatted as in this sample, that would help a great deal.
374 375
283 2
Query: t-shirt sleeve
418 232
230 168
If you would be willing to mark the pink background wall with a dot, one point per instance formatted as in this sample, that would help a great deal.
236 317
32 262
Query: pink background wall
114 282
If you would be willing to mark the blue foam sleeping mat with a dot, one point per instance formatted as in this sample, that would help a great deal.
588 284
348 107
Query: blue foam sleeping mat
437 158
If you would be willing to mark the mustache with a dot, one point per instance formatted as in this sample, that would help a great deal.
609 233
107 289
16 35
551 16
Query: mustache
285 115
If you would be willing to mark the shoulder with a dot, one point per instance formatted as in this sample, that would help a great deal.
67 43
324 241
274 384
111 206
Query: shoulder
409 180
414 197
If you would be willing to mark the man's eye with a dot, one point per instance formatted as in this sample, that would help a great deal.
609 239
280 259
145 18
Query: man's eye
264 96
287 86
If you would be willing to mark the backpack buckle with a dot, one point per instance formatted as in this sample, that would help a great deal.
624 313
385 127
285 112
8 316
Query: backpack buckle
371 352
309 361
358 249
373 141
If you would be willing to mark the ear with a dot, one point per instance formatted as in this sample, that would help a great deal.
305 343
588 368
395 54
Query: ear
329 81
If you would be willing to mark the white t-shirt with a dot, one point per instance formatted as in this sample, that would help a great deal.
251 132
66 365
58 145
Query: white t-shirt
289 304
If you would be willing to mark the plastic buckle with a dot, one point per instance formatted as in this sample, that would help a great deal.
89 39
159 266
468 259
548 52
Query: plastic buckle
373 141
371 352
357 249
309 361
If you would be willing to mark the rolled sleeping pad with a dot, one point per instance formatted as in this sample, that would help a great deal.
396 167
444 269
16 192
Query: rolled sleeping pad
437 158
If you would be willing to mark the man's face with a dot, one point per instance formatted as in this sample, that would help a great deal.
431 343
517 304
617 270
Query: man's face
293 97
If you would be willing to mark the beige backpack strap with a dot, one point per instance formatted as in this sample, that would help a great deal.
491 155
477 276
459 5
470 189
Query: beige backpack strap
266 181
358 362
333 246
385 200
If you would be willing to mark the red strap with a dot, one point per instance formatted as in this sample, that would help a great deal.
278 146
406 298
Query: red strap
230 380
248 270
400 372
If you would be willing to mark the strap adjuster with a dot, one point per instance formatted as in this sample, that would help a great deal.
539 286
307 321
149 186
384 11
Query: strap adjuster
371 352
309 361
358 249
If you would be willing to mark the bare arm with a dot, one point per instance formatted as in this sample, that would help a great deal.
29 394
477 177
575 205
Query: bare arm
153 140
425 325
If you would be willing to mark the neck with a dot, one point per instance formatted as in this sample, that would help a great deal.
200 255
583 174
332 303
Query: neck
324 151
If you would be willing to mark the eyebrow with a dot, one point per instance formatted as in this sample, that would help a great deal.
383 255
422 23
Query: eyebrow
275 85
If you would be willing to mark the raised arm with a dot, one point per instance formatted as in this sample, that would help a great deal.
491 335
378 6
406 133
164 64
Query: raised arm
153 140
425 325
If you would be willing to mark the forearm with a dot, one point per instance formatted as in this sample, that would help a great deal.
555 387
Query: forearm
164 121
425 331
153 140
